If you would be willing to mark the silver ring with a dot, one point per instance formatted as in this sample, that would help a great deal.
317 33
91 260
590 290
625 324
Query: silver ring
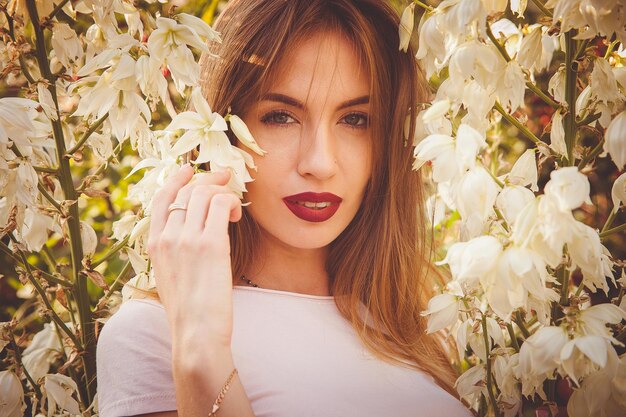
176 206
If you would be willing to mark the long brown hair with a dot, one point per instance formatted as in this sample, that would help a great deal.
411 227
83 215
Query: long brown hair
382 259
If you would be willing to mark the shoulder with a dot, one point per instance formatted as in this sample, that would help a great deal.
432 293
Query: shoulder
133 359
135 318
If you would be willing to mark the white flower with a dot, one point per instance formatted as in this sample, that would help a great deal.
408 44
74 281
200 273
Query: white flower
524 171
530 51
449 157
575 353
512 87
242 132
618 192
588 253
510 393
201 27
471 384
556 85
406 26
603 84
34 231
434 45
443 311
89 238
476 194
539 358
122 227
168 44
469 261
151 80
594 320
66 44
569 187
557 134
40 353
11 395
59 390
602 392
615 140
512 199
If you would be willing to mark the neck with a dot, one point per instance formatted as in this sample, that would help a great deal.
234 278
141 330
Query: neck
285 268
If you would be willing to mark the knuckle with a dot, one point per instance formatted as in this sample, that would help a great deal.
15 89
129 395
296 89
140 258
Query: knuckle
168 242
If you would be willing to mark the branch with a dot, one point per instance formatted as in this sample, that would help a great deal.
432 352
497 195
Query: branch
56 10
520 323
569 120
597 150
607 233
530 135
542 7
492 397
44 297
531 86
21 59
114 249
86 135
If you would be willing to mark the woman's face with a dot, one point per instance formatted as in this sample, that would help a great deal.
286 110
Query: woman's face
313 124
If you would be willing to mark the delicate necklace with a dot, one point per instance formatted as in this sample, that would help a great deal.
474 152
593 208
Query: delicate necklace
248 281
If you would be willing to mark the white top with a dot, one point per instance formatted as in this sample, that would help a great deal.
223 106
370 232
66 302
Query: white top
295 354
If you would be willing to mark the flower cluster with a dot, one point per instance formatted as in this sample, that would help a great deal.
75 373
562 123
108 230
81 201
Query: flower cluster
90 96
519 319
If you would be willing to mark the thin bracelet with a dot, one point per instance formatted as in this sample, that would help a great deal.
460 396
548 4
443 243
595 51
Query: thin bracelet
220 396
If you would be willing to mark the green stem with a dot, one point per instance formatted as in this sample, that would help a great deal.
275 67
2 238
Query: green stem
610 48
21 59
87 326
597 150
542 7
589 119
56 10
18 357
581 49
86 135
50 198
424 6
48 258
609 220
520 323
502 219
492 397
49 170
530 135
49 277
44 297
114 249
607 233
513 337
113 287
569 120
531 86
103 166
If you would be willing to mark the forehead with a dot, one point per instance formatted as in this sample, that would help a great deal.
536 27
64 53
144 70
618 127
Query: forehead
322 66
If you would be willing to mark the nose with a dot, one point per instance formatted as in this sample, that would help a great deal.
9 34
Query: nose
317 154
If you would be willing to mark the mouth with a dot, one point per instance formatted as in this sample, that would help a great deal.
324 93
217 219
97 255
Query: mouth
313 207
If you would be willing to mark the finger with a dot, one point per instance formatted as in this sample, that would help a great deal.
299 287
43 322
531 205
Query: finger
164 197
176 220
223 208
198 206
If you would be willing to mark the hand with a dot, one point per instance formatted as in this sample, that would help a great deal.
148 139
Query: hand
190 253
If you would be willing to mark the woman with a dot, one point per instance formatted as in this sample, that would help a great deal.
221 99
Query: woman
316 310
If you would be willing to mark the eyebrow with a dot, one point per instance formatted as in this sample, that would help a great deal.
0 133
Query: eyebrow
281 98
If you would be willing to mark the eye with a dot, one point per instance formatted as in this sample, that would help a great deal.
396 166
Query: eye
278 117
356 120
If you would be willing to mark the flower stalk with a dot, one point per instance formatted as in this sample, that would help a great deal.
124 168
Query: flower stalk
490 381
87 329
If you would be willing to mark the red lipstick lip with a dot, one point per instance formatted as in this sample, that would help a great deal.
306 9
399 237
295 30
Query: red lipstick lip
310 214
314 197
